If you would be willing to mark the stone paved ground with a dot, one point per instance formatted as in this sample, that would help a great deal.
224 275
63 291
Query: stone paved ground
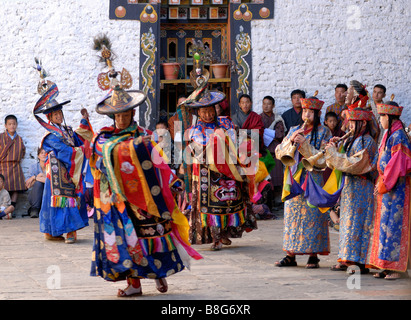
29 267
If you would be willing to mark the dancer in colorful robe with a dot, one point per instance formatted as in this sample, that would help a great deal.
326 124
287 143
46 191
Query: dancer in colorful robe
358 163
390 250
305 227
220 206
63 207
139 230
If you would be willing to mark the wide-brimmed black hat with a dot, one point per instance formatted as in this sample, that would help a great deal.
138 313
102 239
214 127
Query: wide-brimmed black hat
48 103
207 98
201 97
120 101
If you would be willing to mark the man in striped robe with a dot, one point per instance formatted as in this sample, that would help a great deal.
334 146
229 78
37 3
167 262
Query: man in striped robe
12 151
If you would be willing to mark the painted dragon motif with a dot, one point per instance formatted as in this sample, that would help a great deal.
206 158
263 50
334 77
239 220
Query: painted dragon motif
242 49
148 70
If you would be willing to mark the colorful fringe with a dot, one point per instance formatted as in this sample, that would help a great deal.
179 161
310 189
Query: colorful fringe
158 244
64 202
223 220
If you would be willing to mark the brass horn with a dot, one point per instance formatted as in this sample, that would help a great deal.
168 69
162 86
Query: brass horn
288 158
310 162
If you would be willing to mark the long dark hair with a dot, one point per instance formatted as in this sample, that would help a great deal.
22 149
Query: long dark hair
391 119
317 122
357 132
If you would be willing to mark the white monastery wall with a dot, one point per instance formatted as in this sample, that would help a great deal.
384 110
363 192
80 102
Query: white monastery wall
311 45
61 34
314 45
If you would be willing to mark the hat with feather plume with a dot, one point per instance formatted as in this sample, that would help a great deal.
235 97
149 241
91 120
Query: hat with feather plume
118 98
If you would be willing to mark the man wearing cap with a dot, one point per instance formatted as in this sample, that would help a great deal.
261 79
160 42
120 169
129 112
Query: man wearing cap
139 230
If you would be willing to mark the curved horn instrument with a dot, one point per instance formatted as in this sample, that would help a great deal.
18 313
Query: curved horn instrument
288 158
310 162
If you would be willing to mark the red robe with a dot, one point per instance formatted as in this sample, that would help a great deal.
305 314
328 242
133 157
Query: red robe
11 153
254 121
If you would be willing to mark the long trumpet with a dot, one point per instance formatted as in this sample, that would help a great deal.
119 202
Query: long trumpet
310 162
288 158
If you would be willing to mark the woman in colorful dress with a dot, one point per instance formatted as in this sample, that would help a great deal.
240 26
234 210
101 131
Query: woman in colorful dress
63 208
305 227
390 250
358 163
139 231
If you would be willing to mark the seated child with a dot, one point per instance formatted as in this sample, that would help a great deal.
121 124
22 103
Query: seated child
6 208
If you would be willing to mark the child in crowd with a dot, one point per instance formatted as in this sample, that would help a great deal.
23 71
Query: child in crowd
163 138
331 121
6 208
12 151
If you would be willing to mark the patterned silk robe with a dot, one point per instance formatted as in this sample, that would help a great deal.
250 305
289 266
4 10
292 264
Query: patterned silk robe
356 200
305 227
139 230
220 206
11 153
63 207
391 238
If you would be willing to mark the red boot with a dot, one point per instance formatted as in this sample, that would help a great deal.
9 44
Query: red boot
133 288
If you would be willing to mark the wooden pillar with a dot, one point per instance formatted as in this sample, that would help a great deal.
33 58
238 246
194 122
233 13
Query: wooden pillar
149 64
241 15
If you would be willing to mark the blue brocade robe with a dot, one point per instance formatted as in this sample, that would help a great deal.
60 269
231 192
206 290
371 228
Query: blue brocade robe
391 238
63 207
137 232
305 227
356 200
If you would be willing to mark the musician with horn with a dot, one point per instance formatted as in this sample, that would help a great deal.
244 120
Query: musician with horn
305 227
358 163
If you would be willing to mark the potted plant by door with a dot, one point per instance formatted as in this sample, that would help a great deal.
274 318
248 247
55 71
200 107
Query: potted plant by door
219 70
171 70
219 67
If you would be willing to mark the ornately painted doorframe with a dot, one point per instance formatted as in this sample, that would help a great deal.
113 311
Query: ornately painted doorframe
239 46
